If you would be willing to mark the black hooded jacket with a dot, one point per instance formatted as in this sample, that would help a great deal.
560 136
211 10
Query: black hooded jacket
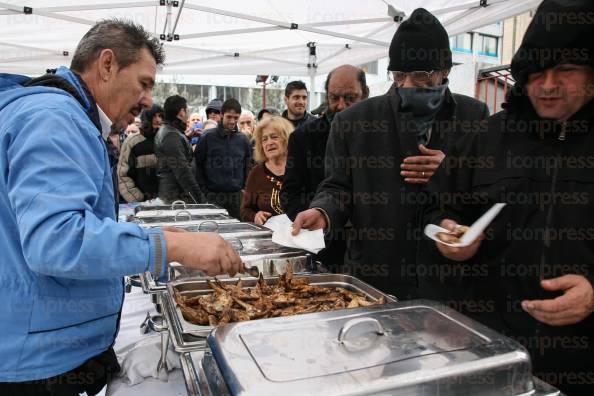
544 171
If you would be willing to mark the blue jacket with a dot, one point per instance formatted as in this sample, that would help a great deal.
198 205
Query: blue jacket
223 160
62 253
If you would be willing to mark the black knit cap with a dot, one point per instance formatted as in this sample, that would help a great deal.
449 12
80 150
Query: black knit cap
420 43
560 32
173 105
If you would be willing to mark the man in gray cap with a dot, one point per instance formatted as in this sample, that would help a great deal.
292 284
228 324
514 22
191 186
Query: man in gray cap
213 110
382 151
532 277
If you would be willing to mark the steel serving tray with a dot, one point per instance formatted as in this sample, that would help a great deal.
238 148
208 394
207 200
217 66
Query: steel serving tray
203 378
184 219
141 212
405 348
188 336
230 230
270 258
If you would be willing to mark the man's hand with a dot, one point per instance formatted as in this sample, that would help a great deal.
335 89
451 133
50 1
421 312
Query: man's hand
261 217
576 303
419 169
310 219
458 253
205 251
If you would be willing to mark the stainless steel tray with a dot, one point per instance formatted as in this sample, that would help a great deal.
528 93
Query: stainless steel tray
177 205
185 218
143 212
270 258
401 348
230 230
203 378
187 336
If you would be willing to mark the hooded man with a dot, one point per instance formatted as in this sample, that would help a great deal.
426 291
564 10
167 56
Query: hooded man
213 110
177 180
531 276
382 150
137 167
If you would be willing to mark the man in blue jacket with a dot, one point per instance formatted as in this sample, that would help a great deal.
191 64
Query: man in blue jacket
63 253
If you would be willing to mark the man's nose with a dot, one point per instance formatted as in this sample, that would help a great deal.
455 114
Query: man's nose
146 100
549 80
341 104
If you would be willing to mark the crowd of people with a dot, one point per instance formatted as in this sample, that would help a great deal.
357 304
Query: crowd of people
370 171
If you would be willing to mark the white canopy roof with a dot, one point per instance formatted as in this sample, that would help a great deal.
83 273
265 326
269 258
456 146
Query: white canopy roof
233 36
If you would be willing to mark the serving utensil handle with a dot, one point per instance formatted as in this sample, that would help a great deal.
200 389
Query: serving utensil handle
344 330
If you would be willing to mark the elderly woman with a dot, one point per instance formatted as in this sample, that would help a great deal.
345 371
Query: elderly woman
261 198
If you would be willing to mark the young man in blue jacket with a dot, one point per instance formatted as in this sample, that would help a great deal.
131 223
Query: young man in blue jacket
63 253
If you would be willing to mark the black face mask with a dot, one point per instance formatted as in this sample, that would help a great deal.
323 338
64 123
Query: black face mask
423 104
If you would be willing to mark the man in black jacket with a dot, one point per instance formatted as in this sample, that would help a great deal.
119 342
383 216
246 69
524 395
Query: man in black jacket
137 167
531 276
383 149
223 159
345 86
174 156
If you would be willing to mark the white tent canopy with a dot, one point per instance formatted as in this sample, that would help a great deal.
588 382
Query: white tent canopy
232 36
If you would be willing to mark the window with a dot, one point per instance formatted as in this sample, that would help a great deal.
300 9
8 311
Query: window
462 43
370 68
489 46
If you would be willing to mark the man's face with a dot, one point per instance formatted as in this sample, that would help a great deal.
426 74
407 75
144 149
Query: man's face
137 121
127 91
296 103
214 115
344 89
559 92
157 120
230 119
194 118
246 124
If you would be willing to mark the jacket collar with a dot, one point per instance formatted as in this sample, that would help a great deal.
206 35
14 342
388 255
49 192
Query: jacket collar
176 124
222 132
285 115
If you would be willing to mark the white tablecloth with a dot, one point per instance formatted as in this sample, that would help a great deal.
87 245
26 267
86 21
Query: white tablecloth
136 305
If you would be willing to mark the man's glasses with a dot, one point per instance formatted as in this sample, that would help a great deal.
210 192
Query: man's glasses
417 77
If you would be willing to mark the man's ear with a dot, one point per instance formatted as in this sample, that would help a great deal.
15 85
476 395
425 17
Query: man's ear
286 99
107 64
365 92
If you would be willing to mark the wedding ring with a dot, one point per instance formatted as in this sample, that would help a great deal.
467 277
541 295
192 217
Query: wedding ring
423 174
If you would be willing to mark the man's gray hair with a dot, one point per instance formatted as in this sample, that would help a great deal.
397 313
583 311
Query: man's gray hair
125 38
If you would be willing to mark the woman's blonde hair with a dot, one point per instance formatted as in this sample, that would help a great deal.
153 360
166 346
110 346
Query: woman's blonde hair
283 127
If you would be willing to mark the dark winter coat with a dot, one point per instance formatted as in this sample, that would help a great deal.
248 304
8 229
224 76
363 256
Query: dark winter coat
368 142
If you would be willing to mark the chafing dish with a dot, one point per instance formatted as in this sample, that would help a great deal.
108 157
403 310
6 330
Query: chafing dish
187 336
404 348
270 258
184 218
142 212
230 230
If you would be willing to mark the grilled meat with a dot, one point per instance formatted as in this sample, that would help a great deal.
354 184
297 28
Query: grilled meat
290 296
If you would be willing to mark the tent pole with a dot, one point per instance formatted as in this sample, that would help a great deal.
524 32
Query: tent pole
312 88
